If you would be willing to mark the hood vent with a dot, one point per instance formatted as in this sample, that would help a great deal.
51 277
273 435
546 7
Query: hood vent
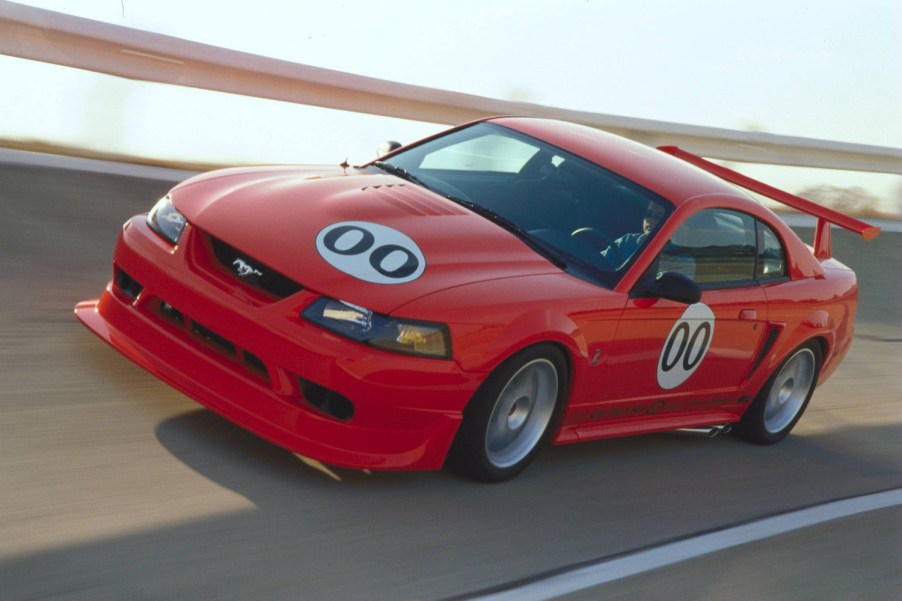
412 201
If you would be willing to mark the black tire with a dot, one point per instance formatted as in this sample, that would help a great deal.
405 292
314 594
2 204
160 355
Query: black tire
783 398
511 415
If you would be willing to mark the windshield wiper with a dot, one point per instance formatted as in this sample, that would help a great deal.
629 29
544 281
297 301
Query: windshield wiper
535 243
538 245
400 172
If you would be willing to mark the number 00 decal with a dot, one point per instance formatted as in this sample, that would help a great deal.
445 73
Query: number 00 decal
371 252
686 345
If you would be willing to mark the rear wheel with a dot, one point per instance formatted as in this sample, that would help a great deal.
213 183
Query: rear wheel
783 399
510 415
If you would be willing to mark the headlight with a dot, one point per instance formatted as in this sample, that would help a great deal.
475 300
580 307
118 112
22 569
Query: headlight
165 220
383 331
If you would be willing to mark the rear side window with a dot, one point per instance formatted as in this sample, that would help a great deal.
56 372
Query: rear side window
723 248
771 255
713 247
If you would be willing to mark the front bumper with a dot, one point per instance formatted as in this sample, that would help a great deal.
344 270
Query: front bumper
247 360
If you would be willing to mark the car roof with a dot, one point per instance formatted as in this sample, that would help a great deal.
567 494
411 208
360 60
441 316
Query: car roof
669 177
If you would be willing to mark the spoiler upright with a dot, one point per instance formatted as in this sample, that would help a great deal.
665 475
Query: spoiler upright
825 216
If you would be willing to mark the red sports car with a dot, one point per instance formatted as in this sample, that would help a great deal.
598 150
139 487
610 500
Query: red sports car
462 299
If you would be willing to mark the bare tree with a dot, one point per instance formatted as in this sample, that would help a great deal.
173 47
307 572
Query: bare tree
854 200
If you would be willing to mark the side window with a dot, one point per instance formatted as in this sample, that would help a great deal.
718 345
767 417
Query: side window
771 255
713 247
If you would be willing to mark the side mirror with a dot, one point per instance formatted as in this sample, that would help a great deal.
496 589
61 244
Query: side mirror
672 286
387 147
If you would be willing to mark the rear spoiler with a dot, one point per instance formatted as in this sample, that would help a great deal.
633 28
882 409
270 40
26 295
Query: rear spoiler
824 215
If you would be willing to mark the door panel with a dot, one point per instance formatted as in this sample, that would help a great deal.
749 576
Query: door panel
684 364
670 364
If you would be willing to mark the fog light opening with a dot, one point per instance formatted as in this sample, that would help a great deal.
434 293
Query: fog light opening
327 401
126 284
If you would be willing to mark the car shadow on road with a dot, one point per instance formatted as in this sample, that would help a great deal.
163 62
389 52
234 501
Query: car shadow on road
430 535
245 463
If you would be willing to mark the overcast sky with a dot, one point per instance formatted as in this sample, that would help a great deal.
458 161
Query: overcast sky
821 69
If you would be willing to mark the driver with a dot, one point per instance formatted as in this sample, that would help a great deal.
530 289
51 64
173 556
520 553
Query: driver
621 249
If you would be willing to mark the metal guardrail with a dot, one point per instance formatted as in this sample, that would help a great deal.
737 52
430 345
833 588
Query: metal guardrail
52 37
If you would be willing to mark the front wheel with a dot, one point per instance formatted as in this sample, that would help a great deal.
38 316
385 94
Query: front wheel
783 399
509 416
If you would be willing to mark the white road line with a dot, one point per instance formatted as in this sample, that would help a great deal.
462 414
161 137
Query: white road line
604 571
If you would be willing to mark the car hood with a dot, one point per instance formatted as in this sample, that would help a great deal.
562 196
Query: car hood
369 239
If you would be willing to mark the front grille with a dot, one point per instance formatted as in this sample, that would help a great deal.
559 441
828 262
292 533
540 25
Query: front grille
213 339
252 272
241 361
209 339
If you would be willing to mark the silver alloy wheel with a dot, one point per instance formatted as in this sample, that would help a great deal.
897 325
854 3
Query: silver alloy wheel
789 390
521 413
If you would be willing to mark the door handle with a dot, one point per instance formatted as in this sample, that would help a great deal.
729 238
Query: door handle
748 314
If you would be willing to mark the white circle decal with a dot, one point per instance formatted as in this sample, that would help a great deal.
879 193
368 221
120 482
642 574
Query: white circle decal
686 345
371 252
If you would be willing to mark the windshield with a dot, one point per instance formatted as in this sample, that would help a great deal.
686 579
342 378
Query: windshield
583 218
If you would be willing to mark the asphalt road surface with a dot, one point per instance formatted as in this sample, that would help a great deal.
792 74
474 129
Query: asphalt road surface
114 486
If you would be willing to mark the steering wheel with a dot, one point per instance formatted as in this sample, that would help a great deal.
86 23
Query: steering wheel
592 237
